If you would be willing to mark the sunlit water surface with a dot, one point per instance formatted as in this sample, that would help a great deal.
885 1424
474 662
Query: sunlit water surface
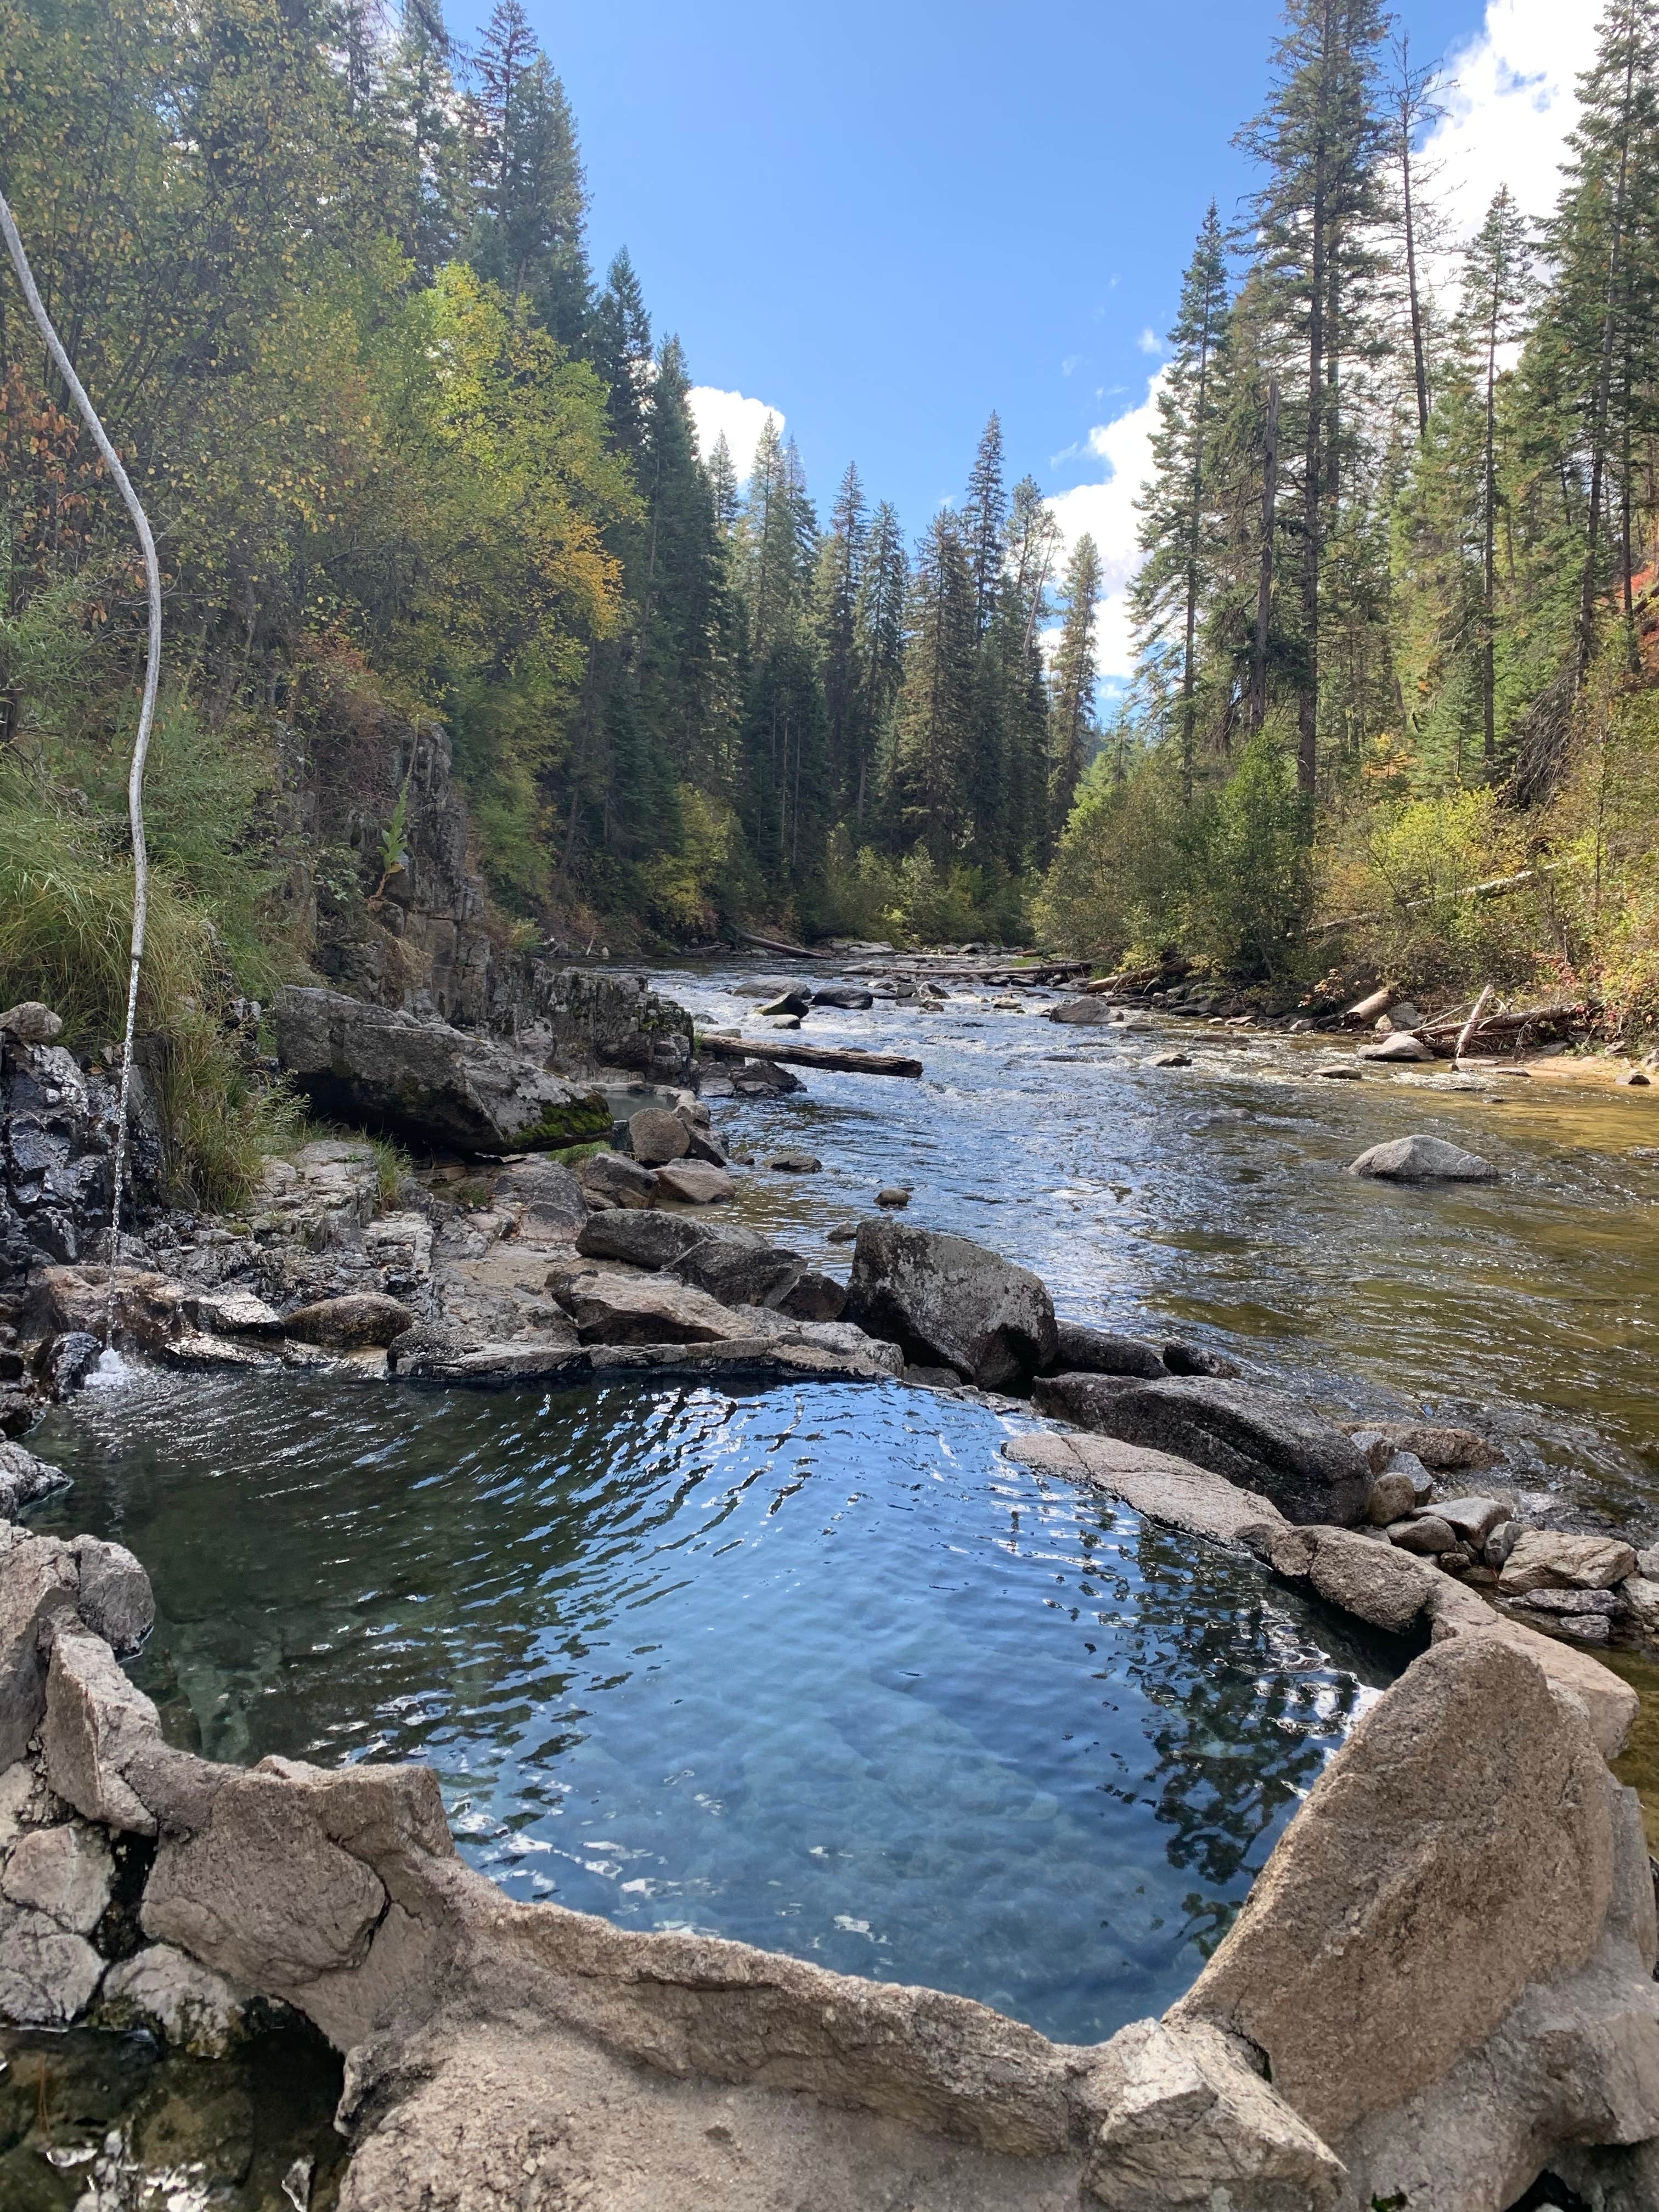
1211 1201
816 1669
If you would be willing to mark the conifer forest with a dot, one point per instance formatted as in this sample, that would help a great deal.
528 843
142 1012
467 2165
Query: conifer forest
412 455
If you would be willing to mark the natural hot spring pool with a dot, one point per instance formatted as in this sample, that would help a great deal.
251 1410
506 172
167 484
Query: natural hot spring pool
816 1668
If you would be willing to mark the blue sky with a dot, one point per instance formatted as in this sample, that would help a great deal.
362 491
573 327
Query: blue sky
885 220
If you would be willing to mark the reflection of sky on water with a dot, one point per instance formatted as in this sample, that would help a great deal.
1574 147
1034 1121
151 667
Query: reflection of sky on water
816 1669
1211 1201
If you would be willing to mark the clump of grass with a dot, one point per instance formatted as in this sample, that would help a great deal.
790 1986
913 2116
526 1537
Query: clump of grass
392 1169
65 934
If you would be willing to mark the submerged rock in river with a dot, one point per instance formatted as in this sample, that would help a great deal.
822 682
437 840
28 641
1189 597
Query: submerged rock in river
1256 1437
426 1081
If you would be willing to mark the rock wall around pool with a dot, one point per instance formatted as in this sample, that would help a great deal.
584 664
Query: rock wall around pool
1441 1985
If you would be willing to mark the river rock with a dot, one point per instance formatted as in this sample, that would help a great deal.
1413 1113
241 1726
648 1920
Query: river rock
1400 1047
115 1599
1436 1444
24 1479
184 2004
1422 1159
1392 1497
70 1360
1338 1071
66 1872
1641 1596
358 1322
642 1309
1254 1436
740 1273
1371 1581
1472 1519
1171 1491
232 1313
425 1081
609 1179
1197 1359
1469 1802
97 1721
764 1078
1549 1559
47 1975
1182 2121
794 1163
37 1590
694 1183
1604 1602
893 1196
655 1136
653 1239
29 1022
1172 1060
845 996
946 1301
544 1196
789 1004
1080 1350
1425 1533
1084 1013
1495 1552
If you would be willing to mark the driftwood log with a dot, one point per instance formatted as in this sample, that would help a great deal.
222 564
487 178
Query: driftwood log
778 944
837 1061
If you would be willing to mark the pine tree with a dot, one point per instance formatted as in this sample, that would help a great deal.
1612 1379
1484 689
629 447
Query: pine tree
1170 584
840 580
723 482
1072 722
532 197
619 347
1497 300
983 514
936 699
426 108
1319 138
883 591
1031 542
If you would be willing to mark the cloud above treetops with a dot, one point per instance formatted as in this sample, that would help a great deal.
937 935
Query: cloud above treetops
741 420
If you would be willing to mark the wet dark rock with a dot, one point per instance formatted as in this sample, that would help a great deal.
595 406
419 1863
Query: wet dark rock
1425 1534
814 1296
24 1479
893 1195
1079 1350
947 1302
794 1001
1193 1359
29 1022
652 1239
761 1078
795 1163
1256 1437
426 1081
360 1321
71 1358
115 1599
845 996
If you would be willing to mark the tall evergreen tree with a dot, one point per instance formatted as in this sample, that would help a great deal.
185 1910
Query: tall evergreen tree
983 514
723 481
936 700
1169 585
1076 673
531 196
1319 138
884 592
840 579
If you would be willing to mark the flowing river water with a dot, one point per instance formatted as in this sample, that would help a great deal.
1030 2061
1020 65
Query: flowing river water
817 1667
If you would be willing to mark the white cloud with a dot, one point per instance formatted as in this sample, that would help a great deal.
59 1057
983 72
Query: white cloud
742 419
1510 98
1106 511
1149 341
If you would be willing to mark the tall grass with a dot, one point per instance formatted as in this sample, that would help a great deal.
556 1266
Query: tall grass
65 931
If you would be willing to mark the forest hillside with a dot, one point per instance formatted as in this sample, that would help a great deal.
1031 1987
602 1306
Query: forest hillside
412 461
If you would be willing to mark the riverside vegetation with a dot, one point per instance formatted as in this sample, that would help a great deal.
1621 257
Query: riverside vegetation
412 464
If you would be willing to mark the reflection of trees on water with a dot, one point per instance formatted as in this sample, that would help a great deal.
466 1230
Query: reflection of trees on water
1250 1709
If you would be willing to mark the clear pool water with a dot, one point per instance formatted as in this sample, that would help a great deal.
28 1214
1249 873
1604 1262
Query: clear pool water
815 1668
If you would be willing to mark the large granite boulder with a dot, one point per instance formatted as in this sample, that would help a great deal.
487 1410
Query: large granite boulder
653 1239
1256 1437
24 1479
1422 1159
1080 1350
1459 1848
948 1303
609 1309
426 1082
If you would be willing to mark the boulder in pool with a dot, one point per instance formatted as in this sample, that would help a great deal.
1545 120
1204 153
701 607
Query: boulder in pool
115 1599
655 1136
378 1068
948 1303
1083 1012
23 1479
610 1308
845 996
1422 1159
694 1183
1258 1438
359 1321
745 1272
1402 1045
1550 1559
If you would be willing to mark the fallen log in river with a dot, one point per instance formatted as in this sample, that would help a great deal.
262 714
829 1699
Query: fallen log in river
838 1060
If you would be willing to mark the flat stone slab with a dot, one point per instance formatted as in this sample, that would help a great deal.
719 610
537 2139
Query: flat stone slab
1170 1491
